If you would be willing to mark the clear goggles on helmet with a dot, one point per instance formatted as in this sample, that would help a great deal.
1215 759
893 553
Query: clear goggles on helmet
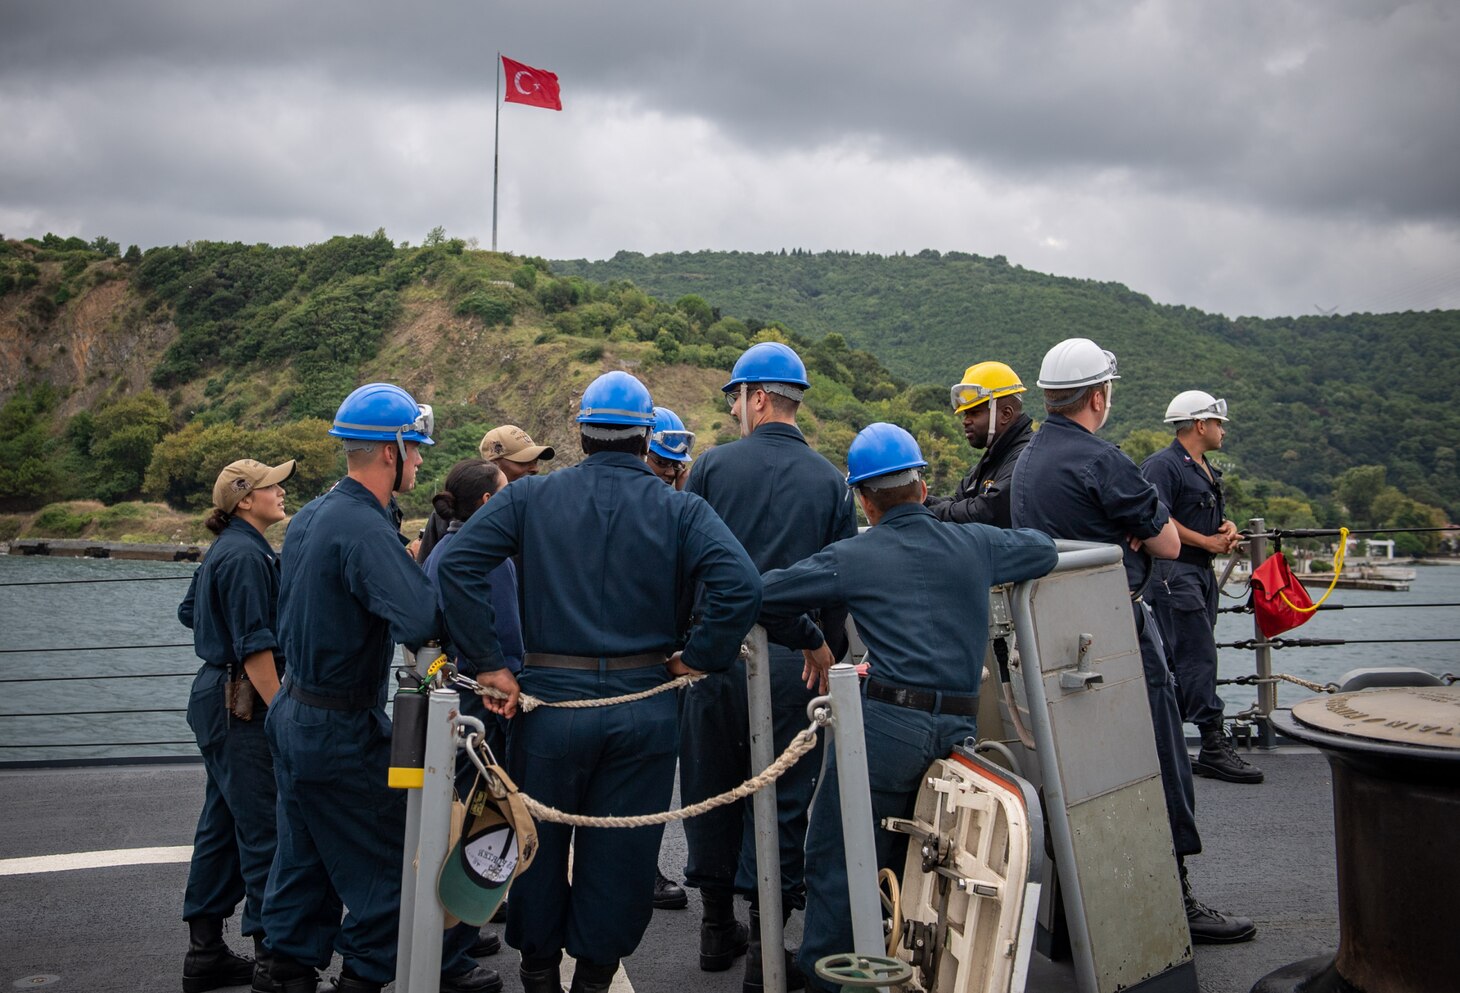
1217 408
674 442
425 422
969 394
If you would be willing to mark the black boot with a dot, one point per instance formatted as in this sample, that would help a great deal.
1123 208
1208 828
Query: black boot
288 975
591 977
210 963
668 895
348 982
1219 758
479 980
723 939
486 945
754 979
263 980
541 975
1212 927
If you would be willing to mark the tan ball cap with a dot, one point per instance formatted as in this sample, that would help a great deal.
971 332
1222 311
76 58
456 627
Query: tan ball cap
241 478
513 444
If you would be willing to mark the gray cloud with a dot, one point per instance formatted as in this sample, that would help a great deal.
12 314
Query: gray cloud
1257 130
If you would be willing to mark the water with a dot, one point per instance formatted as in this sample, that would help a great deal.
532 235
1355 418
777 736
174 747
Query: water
145 613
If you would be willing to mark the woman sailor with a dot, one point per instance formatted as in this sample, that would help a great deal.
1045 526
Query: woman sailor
231 607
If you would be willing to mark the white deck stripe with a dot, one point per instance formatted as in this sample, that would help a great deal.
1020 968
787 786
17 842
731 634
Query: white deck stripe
620 982
95 860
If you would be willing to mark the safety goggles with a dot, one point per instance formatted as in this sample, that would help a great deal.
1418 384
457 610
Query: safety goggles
425 422
674 442
1216 409
732 395
970 394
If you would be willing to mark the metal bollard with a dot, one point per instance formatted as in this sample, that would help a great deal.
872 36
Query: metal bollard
856 803
763 802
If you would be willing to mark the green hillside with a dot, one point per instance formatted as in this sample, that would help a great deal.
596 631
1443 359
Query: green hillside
137 375
1311 396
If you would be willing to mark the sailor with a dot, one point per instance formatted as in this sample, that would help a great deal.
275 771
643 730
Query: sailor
610 552
349 592
1183 593
987 399
467 488
511 450
669 457
1071 484
784 501
906 583
232 608
669 448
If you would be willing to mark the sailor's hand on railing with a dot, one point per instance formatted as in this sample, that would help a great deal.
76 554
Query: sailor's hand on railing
503 681
818 663
675 665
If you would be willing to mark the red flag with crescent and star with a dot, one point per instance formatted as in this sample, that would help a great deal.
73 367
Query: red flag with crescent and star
534 87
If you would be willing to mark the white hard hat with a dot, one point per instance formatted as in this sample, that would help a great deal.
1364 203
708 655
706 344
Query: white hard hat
1076 362
1195 405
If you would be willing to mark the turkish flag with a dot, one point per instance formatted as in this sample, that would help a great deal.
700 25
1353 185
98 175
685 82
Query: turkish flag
534 87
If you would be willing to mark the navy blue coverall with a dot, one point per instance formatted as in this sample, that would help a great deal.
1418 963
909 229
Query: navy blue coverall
907 583
1183 593
232 606
983 495
783 501
608 551
350 591
1072 484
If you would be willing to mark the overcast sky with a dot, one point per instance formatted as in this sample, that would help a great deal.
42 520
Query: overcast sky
1244 156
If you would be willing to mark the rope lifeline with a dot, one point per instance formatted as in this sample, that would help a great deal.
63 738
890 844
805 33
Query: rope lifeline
804 742
527 703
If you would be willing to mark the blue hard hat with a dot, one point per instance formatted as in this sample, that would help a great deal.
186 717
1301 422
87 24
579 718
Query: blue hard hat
670 439
616 398
383 412
768 362
881 449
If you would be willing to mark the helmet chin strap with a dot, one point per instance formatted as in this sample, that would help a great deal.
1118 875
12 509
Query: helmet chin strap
744 411
993 419
400 463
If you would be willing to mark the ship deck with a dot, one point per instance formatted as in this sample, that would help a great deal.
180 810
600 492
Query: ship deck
69 924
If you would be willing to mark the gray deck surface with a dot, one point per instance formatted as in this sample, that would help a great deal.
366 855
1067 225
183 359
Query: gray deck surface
1269 855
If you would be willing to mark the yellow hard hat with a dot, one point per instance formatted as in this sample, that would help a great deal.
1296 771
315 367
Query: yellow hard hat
983 382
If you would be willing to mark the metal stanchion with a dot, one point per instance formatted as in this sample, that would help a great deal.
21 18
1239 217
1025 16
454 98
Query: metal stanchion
856 803
428 827
1266 691
767 832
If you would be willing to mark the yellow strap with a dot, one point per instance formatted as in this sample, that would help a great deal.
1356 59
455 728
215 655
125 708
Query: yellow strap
435 666
1337 569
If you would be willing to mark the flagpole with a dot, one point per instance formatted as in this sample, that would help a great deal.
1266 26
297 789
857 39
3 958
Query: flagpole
496 138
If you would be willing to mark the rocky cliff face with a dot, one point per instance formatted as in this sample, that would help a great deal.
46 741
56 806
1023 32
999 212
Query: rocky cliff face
98 342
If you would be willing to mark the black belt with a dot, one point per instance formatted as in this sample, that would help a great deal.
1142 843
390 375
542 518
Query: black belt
929 701
358 701
547 660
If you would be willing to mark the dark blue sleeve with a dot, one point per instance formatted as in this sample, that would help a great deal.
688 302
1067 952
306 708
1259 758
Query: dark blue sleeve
1124 494
787 593
465 585
1017 554
1161 473
384 577
509 620
731 588
246 587
185 609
